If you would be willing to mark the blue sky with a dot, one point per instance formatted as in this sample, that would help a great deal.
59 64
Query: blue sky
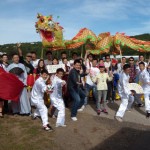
18 17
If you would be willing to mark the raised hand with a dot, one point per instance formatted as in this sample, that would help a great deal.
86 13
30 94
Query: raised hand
18 45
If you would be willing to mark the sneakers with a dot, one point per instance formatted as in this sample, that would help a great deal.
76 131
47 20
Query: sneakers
112 101
118 118
98 112
128 110
48 128
147 115
140 105
105 111
34 117
81 109
74 118
59 125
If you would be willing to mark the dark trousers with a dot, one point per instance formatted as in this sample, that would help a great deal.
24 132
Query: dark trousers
78 96
110 88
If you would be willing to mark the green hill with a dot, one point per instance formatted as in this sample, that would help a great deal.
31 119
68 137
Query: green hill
37 46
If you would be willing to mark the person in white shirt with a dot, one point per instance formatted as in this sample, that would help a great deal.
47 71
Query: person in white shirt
49 59
141 59
56 97
124 93
37 100
107 62
144 80
88 59
34 61
120 65
23 105
90 85
74 57
63 55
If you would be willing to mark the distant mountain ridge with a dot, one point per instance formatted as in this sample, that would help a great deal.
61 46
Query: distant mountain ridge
37 46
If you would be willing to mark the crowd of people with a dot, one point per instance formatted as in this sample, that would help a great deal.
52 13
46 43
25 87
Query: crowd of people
72 87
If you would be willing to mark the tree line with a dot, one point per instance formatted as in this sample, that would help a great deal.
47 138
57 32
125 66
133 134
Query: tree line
37 47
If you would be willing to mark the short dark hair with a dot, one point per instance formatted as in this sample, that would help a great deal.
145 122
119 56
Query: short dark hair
90 55
74 53
4 55
126 66
55 58
142 63
141 55
33 52
77 61
48 52
131 58
44 71
14 55
123 57
64 59
95 59
63 53
60 70
107 56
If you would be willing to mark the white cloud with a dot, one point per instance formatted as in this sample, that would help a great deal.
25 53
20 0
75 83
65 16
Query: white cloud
96 15
17 30
143 28
102 9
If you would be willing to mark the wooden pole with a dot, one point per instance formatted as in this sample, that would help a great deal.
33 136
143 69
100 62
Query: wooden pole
82 51
120 53
42 53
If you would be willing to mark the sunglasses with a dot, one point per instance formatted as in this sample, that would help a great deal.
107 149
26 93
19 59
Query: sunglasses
131 60
29 56
107 58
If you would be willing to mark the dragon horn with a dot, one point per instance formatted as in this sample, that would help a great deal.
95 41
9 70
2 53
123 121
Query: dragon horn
50 17
39 15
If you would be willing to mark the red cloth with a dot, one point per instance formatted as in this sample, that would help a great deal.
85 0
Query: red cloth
30 80
10 86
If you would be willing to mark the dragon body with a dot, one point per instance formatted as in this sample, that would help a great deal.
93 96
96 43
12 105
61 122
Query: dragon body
52 37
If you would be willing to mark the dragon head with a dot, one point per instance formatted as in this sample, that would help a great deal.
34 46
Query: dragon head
50 31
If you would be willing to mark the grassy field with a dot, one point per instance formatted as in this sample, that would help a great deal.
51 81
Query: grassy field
88 133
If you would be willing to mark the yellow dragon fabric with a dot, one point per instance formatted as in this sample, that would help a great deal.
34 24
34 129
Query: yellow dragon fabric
52 37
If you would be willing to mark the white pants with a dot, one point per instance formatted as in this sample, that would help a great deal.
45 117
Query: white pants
147 102
59 105
130 102
41 110
126 103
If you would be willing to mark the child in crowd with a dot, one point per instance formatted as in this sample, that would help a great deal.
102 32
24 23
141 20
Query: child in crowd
56 97
55 61
101 81
37 95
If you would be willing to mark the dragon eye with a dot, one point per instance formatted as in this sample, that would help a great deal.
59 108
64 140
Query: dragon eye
42 19
51 24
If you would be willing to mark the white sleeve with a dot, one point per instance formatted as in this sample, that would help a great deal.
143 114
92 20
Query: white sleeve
146 78
125 86
43 87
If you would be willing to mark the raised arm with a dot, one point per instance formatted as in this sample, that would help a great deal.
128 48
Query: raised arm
19 49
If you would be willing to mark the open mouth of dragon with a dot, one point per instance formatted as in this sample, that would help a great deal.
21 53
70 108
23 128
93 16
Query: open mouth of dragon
48 35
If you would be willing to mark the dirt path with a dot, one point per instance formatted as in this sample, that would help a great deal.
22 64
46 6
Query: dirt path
90 132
